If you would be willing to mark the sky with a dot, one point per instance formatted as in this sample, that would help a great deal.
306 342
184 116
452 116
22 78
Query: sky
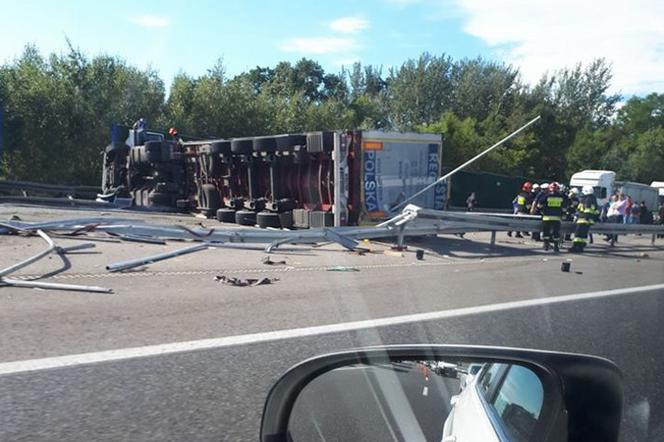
174 36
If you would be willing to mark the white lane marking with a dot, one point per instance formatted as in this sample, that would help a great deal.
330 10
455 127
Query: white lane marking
425 392
228 341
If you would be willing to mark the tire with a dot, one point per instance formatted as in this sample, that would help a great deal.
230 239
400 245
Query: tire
267 219
226 215
288 142
117 148
211 198
265 144
160 199
220 148
245 217
242 146
286 219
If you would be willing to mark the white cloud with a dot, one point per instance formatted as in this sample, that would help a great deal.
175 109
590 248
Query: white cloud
544 36
349 25
318 45
150 21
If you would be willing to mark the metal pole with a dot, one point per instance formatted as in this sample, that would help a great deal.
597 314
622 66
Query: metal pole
53 286
472 160
124 265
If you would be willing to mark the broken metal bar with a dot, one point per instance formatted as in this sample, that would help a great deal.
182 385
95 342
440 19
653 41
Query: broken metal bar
84 246
30 260
53 286
125 265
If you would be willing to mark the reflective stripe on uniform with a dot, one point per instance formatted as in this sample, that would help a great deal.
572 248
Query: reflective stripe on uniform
554 201
550 218
579 241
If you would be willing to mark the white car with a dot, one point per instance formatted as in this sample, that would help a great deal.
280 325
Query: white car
502 402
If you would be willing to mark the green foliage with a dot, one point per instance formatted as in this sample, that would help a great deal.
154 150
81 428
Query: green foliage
59 110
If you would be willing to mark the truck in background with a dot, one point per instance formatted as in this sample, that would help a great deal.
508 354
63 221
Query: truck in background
314 179
659 185
604 183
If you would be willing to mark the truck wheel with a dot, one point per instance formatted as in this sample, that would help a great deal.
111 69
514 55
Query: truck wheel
226 215
245 217
211 199
267 219
265 144
288 142
286 219
220 148
160 199
242 146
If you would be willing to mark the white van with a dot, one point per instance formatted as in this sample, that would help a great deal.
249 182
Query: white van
603 181
605 184
659 185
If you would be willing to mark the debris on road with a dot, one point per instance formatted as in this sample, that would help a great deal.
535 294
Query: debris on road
52 248
565 266
419 254
343 269
244 282
268 261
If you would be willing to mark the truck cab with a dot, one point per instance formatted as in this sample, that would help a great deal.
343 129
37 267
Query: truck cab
602 181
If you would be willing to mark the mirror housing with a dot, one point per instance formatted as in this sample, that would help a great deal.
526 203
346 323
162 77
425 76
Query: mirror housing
590 387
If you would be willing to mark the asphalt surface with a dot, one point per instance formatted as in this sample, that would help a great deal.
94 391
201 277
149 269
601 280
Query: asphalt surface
218 394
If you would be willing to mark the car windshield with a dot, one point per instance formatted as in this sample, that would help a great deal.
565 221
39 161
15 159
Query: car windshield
196 196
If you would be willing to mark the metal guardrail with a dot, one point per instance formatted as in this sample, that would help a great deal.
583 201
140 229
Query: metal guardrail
26 187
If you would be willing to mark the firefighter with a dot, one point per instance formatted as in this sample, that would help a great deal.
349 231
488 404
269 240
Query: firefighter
586 215
523 201
551 206
570 213
538 193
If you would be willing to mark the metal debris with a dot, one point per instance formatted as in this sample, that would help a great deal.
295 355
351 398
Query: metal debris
4 281
343 269
126 265
268 261
248 282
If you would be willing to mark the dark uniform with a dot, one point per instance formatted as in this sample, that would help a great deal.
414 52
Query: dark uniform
524 201
570 212
552 207
586 215
535 210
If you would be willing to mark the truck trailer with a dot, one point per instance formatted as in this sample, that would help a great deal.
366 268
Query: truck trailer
313 179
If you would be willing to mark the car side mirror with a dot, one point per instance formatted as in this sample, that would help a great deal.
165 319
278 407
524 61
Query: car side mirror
414 393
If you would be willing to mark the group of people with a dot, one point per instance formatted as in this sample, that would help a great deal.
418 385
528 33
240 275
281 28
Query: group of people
554 203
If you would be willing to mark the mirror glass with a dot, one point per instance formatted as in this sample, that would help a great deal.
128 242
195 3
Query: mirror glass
423 400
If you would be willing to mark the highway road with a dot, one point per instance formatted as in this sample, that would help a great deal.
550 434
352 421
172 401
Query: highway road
174 355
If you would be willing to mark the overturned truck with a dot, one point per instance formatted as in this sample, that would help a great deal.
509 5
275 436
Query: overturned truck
314 179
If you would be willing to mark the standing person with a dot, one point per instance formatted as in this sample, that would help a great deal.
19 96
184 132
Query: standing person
586 215
572 203
534 209
627 215
522 203
139 124
660 215
645 215
635 214
616 214
471 202
551 206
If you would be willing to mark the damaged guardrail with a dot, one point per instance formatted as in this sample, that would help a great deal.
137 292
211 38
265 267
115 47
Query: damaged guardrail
47 285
